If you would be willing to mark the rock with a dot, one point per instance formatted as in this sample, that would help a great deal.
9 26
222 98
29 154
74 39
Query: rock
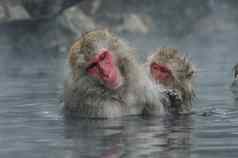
18 13
47 8
2 13
42 8
91 7
136 24
76 21
11 12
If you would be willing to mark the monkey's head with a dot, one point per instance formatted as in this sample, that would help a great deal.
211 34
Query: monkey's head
101 56
173 71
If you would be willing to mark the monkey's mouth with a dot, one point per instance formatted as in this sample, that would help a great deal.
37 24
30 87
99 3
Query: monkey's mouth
110 78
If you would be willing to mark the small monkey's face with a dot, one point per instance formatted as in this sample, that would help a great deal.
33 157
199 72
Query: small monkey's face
104 67
161 72
172 70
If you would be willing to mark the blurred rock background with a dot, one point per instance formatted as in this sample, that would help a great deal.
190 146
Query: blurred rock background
50 26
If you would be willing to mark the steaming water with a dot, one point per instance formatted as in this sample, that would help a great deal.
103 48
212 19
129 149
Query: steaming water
32 124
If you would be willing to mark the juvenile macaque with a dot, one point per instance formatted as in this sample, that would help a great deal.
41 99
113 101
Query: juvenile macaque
173 73
106 80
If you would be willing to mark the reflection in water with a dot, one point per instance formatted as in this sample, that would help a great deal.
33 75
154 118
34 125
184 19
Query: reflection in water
130 137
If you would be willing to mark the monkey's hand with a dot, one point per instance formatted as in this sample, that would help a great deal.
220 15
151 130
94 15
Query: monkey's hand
173 101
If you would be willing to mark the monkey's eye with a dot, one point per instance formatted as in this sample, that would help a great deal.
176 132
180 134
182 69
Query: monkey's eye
190 74
154 66
164 69
91 66
160 67
103 55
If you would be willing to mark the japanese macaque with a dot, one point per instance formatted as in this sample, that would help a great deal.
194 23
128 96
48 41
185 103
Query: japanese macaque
106 80
173 73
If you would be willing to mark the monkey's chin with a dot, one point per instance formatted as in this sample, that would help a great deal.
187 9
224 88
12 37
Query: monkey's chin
114 85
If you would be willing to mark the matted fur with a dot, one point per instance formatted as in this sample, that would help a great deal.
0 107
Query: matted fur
182 71
90 42
88 97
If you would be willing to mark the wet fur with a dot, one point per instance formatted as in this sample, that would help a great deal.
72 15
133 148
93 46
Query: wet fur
88 97
182 71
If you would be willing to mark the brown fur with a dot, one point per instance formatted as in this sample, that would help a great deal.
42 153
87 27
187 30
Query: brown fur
84 48
90 98
182 71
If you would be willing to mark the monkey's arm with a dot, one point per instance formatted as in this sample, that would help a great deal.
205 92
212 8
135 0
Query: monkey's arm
154 103
172 101
166 100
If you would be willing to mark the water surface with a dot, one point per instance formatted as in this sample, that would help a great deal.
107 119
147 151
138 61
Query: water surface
32 123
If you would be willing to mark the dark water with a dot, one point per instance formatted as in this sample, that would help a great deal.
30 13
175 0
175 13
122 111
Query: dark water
32 124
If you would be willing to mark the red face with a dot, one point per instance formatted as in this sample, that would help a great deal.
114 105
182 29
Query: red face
160 72
103 67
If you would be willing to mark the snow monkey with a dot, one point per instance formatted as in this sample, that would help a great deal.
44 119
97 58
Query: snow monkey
174 73
106 80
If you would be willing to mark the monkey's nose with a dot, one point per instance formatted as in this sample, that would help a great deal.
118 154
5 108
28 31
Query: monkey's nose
104 71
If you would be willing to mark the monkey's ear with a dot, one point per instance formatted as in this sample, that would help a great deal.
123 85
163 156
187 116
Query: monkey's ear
190 75
75 46
123 63
74 56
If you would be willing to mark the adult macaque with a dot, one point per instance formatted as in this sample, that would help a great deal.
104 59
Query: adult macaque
174 73
106 80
